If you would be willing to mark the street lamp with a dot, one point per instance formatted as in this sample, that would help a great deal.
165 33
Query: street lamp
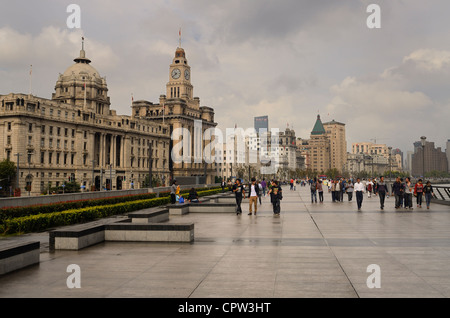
423 141
390 163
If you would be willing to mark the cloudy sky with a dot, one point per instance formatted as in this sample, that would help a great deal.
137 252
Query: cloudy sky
288 59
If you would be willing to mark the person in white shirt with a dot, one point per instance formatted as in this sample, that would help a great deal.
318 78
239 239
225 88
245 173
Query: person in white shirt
359 190
253 196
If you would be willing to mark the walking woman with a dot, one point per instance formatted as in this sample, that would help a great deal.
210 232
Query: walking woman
428 191
418 192
320 190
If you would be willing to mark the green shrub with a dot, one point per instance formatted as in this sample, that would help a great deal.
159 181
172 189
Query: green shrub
42 222
15 212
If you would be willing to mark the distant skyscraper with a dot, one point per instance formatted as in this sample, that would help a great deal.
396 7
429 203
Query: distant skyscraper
435 159
261 122
447 152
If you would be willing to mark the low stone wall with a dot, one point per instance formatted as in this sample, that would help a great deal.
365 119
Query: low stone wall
49 199
14 256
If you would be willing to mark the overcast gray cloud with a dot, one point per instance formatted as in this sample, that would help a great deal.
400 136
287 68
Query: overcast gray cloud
288 59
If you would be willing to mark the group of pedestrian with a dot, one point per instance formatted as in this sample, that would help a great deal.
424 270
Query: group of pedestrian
255 191
403 192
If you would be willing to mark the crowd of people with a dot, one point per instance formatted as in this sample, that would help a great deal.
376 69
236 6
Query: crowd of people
402 190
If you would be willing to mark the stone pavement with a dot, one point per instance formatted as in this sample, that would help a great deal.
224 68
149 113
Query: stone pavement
311 250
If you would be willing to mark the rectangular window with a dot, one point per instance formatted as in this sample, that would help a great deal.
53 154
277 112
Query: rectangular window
50 157
42 157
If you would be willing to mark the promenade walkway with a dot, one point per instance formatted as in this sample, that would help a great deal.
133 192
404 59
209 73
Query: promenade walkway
311 250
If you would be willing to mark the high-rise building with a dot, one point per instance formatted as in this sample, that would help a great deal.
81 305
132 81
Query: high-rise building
338 144
261 122
427 159
327 146
319 148
447 152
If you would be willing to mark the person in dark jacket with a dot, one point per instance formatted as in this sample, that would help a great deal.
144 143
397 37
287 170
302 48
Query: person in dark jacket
193 196
428 191
397 190
239 192
381 190
275 193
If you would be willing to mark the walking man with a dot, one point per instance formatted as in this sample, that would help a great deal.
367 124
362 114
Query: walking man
397 191
253 190
275 193
264 186
314 191
239 191
359 190
428 191
382 190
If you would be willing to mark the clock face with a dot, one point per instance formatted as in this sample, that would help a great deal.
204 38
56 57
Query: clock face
176 73
187 75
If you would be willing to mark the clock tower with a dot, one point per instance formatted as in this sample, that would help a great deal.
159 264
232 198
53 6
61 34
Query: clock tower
179 85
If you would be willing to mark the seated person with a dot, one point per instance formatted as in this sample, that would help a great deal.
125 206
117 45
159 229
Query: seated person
193 196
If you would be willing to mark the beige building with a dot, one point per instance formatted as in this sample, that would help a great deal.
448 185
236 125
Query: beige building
179 109
338 144
319 148
77 135
370 148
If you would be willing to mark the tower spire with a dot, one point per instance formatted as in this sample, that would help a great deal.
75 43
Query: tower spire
179 34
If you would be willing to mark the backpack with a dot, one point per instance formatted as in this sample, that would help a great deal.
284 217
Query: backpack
313 186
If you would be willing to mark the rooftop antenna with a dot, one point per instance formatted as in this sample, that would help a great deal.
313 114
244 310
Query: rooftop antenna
179 33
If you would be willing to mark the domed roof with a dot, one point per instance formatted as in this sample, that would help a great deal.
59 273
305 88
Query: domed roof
82 67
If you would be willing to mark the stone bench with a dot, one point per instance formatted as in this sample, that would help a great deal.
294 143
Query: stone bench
81 236
77 237
152 232
17 255
178 208
153 215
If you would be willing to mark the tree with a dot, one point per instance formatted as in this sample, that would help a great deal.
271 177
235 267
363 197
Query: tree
156 182
7 174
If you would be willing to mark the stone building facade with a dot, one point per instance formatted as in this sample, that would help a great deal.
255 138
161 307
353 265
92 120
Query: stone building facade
179 109
76 135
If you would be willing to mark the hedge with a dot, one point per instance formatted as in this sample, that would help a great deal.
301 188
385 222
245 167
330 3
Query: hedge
42 222
14 212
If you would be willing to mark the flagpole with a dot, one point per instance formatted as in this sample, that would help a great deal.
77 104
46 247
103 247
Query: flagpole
31 79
